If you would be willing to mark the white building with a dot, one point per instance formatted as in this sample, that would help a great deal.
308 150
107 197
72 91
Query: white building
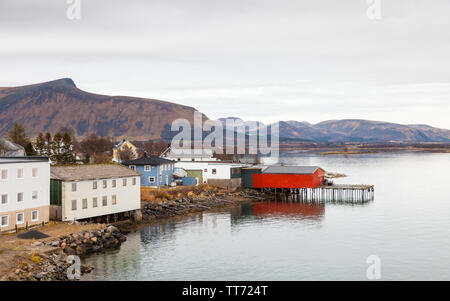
87 191
217 173
190 155
24 191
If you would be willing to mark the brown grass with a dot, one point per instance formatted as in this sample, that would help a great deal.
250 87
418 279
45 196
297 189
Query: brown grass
168 194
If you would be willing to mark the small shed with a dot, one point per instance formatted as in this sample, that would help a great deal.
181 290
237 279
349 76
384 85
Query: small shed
289 177
247 176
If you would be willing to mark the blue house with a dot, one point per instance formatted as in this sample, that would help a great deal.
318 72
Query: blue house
155 171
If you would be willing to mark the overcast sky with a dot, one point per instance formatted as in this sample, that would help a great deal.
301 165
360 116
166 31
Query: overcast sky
255 59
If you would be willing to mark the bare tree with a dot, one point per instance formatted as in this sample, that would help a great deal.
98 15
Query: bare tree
125 154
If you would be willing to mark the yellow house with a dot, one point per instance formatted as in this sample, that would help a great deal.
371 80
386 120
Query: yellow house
123 145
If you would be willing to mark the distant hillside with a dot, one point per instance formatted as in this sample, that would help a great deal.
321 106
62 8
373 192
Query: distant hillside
53 105
366 130
357 130
60 104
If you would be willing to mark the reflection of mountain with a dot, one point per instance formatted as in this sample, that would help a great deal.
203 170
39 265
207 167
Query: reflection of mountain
295 209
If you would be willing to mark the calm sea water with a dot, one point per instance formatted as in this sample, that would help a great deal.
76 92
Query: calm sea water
407 226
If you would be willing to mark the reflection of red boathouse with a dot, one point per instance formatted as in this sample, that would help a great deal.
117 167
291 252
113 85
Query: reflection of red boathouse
289 177
282 208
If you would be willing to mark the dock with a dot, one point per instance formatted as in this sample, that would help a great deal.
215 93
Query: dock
329 193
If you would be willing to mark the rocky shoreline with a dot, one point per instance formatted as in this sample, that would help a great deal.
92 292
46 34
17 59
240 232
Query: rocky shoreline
54 264
197 203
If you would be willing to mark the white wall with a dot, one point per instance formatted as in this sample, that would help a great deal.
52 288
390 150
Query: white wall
222 169
12 185
128 198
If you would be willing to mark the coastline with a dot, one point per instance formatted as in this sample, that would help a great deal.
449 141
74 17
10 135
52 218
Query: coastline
46 259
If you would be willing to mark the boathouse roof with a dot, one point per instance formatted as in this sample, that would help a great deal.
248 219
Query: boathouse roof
298 170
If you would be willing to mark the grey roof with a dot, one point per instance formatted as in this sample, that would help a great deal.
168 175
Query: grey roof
300 170
22 159
148 160
90 172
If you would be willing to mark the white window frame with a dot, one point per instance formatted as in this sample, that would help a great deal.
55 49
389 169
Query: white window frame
152 181
147 168
105 184
1 174
23 218
37 216
7 221
23 173
32 195
94 202
114 199
37 172
104 203
132 167
72 207
133 182
1 198
73 187
124 182
84 202
113 183
17 199
94 185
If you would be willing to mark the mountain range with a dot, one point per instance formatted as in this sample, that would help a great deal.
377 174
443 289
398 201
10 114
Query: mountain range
60 104
51 106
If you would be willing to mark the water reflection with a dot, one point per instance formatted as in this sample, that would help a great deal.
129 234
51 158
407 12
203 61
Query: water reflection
289 209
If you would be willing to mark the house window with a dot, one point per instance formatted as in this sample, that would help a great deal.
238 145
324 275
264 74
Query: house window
193 159
34 216
205 170
105 183
124 182
134 181
214 171
113 183
74 187
34 172
114 200
147 167
133 167
151 179
105 201
74 205
4 199
20 197
84 203
4 174
94 202
19 218
20 173
34 195
5 221
94 185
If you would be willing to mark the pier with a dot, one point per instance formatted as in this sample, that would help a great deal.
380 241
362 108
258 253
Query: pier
329 193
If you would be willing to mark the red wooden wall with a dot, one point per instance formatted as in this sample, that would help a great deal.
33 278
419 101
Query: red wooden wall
288 180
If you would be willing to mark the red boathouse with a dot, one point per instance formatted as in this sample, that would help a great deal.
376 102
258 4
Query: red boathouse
289 177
